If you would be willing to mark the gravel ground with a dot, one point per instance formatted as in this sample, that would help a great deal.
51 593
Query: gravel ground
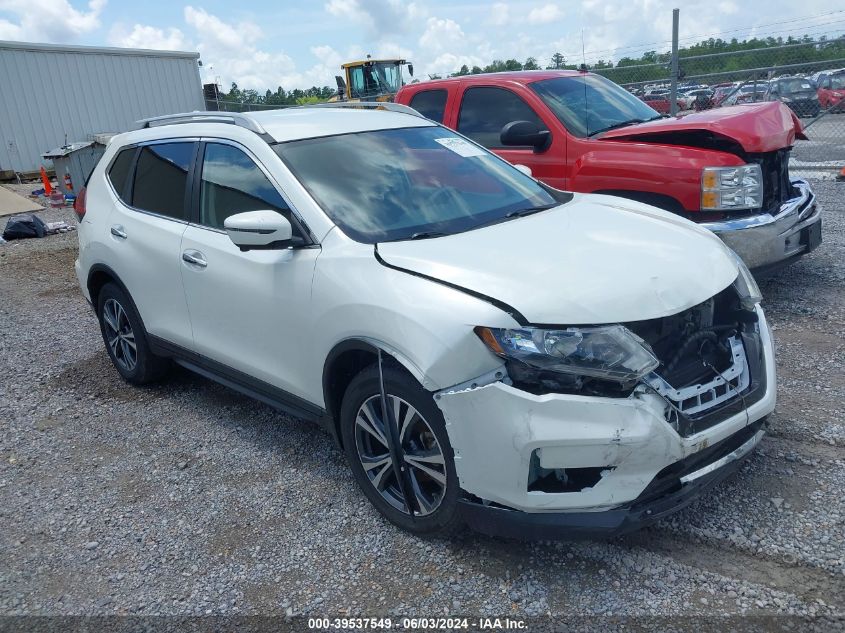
187 498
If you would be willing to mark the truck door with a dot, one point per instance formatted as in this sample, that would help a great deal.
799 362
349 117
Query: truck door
483 112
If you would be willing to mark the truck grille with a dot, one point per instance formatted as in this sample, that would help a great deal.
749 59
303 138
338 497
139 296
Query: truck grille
777 187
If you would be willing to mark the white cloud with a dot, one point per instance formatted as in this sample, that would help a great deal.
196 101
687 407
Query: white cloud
441 34
545 14
378 16
233 52
728 7
49 20
221 34
143 36
499 14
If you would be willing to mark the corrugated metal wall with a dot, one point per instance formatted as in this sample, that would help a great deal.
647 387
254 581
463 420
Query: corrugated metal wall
52 93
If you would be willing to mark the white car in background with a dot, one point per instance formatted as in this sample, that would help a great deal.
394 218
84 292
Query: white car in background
487 350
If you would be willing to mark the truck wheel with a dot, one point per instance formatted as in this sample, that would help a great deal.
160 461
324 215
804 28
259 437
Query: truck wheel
425 452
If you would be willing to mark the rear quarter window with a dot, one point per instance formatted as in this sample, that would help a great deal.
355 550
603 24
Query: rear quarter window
430 103
118 173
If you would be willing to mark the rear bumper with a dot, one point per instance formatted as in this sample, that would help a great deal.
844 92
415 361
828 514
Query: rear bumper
676 489
767 240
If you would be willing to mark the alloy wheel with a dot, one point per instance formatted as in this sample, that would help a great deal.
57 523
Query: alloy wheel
420 453
119 335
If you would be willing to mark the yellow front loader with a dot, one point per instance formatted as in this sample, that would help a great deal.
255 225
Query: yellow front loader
371 80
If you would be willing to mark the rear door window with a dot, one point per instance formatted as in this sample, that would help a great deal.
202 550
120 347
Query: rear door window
430 103
161 176
486 110
119 172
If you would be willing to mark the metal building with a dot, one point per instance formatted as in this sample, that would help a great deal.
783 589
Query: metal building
52 95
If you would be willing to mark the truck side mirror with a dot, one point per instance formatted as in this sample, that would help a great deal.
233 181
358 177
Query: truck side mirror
411 69
522 133
341 85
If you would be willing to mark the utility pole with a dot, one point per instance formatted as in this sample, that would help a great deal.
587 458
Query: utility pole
673 87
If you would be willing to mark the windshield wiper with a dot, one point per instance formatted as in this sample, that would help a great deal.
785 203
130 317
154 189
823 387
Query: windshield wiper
424 235
624 124
521 213
421 235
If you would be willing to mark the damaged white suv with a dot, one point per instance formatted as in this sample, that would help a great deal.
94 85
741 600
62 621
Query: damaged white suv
486 349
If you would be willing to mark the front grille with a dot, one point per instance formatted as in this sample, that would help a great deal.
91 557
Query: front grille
711 362
777 187
724 385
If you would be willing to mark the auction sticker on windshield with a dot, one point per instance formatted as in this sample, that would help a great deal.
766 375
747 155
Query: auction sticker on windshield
460 146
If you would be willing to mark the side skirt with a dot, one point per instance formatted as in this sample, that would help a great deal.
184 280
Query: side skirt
242 383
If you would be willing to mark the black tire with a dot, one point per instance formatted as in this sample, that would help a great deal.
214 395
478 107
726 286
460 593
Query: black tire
115 307
444 521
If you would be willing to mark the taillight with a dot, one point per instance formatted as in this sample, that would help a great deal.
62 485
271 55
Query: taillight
79 204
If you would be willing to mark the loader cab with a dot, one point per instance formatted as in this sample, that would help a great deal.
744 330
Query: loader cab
372 79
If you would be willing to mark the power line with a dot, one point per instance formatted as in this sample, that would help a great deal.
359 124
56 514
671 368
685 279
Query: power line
646 46
820 29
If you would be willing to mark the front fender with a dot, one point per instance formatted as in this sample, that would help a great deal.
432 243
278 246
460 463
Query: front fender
668 170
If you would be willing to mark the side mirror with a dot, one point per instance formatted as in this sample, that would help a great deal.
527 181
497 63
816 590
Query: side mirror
259 230
522 133
411 69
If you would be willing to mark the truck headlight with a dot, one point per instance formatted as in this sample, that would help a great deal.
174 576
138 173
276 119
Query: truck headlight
609 352
729 188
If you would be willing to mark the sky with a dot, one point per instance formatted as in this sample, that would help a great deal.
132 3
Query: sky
264 44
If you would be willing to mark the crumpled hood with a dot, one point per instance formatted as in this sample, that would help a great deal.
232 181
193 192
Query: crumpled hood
597 259
758 127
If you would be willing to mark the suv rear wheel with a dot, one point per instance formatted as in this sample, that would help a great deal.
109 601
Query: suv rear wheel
125 338
424 452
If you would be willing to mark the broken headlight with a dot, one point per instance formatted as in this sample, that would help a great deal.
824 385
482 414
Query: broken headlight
745 284
608 352
731 188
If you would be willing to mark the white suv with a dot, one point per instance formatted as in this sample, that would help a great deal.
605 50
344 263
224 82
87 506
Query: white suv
486 349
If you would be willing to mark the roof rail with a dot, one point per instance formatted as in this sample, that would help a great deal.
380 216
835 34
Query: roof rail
233 118
374 105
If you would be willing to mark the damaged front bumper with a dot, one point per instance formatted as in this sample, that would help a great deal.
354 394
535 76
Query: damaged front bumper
642 467
769 240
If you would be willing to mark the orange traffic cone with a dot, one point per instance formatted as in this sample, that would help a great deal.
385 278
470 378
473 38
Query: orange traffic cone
841 175
48 189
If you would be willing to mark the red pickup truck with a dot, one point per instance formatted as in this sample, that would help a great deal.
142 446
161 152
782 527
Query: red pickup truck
726 168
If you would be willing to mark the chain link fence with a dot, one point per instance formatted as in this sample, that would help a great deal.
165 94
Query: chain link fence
808 76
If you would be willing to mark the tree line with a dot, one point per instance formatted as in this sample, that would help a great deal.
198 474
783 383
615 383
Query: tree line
244 98
649 66
732 59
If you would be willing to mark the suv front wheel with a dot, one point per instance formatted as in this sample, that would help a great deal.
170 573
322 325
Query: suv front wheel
426 461
125 338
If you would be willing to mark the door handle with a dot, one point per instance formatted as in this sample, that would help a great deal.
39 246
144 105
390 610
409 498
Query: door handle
194 257
117 231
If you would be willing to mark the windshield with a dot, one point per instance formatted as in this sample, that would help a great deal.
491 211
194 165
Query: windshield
590 103
837 82
388 76
794 85
409 183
